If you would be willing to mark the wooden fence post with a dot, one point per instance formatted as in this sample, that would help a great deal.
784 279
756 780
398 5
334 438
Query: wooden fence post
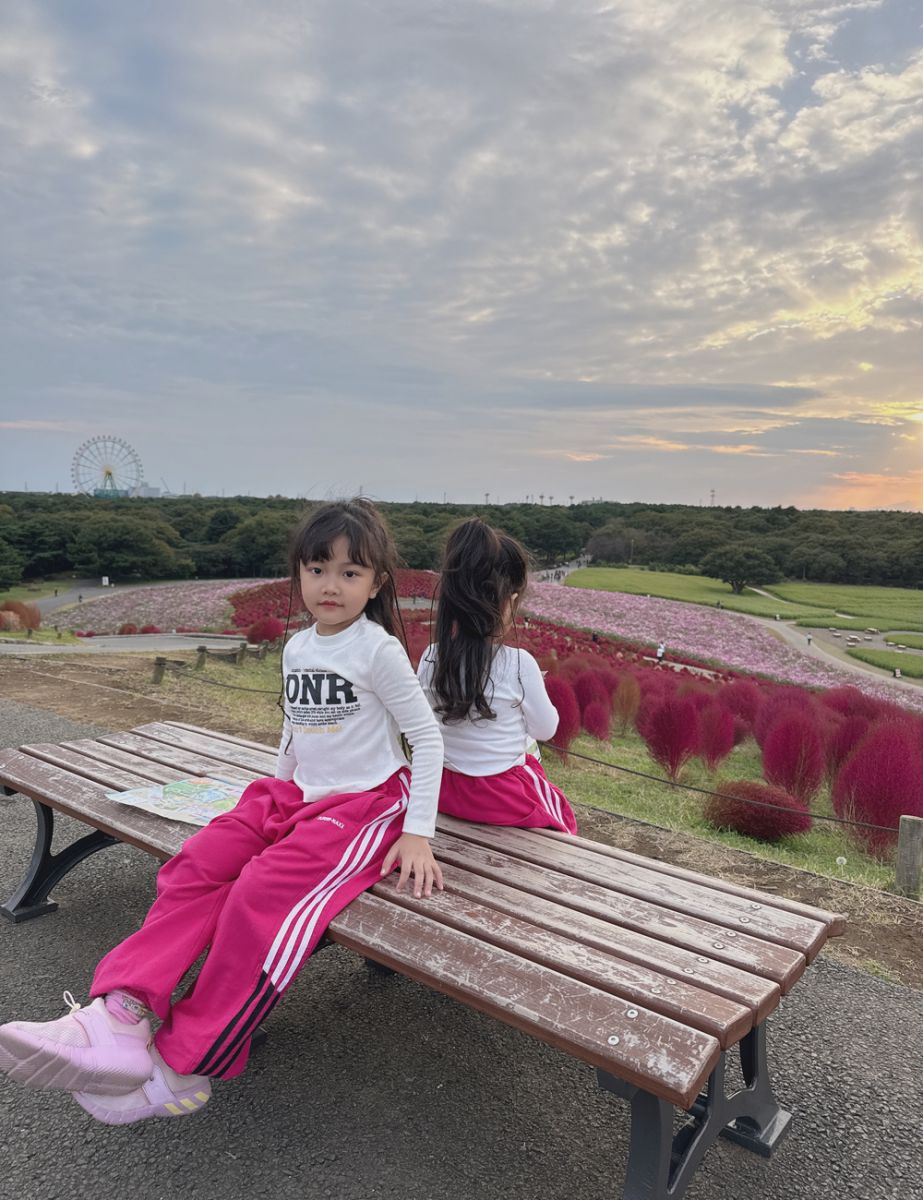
241 653
264 646
909 856
201 653
160 665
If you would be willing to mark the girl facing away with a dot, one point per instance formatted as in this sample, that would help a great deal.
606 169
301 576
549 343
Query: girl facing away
490 698
258 886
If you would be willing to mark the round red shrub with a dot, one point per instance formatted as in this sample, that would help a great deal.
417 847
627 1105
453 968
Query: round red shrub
716 734
596 719
128 628
842 740
881 781
29 615
589 689
742 807
793 755
743 698
850 702
561 695
783 702
267 629
625 702
672 734
149 629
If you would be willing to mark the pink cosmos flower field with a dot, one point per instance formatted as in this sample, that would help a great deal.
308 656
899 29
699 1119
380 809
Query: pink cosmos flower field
199 605
729 638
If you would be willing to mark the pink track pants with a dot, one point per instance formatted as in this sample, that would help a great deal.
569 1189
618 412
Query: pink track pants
257 887
520 796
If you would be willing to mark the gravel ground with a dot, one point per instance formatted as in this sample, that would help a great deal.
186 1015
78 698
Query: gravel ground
374 1087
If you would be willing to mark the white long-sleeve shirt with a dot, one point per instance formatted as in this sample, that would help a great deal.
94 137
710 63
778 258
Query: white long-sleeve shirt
516 693
348 696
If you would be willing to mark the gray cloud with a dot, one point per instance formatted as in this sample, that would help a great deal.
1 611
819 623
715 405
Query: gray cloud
526 227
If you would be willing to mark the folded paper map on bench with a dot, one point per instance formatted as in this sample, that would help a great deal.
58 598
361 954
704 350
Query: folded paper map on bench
194 801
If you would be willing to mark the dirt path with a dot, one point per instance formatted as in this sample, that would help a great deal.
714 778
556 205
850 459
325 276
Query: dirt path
885 934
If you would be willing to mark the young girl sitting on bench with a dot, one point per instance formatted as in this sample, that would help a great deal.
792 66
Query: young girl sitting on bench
260 884
490 698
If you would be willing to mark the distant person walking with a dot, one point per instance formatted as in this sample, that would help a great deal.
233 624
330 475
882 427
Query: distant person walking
661 651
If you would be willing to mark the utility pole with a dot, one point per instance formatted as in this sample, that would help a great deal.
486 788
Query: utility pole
487 497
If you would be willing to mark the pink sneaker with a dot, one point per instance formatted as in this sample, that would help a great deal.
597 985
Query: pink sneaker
87 1050
165 1094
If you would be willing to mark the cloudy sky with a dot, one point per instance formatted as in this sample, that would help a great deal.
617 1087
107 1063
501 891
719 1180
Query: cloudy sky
644 249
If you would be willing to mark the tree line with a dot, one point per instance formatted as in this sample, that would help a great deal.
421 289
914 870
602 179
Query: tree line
183 537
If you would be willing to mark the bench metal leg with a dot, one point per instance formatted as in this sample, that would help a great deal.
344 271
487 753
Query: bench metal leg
46 869
661 1163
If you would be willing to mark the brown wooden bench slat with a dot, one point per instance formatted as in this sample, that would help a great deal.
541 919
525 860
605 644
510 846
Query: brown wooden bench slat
130 762
88 768
761 996
86 801
724 1019
775 962
223 737
262 762
647 883
653 1052
835 922
183 760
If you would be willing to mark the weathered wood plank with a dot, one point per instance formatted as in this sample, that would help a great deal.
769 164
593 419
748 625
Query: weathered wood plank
652 1051
835 922
183 760
152 771
224 737
679 1000
692 899
712 941
761 996
253 760
86 801
88 768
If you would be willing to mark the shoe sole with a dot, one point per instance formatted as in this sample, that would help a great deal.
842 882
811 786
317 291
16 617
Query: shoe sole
183 1104
40 1065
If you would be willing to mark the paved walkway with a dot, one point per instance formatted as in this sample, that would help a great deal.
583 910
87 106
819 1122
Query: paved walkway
379 1088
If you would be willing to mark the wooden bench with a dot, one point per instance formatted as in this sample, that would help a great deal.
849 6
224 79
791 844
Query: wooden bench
648 972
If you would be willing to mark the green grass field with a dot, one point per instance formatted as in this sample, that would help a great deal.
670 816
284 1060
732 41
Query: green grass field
694 589
912 643
30 592
39 635
859 624
877 604
910 665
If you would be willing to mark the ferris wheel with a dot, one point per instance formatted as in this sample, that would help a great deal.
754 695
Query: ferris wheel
107 466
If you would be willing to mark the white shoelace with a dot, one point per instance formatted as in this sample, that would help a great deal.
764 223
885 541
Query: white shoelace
71 1003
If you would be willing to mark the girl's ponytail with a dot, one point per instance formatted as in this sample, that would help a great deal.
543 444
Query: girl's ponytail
481 572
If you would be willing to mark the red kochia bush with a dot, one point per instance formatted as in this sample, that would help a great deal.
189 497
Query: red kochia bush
850 702
672 734
881 781
625 703
793 755
843 740
561 695
596 719
149 629
589 689
267 629
735 809
128 628
783 702
716 735
743 698
29 616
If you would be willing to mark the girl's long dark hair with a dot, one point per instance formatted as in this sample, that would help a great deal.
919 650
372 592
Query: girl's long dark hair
370 545
481 571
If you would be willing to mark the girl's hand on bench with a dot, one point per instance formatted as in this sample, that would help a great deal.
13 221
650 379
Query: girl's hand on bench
415 856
